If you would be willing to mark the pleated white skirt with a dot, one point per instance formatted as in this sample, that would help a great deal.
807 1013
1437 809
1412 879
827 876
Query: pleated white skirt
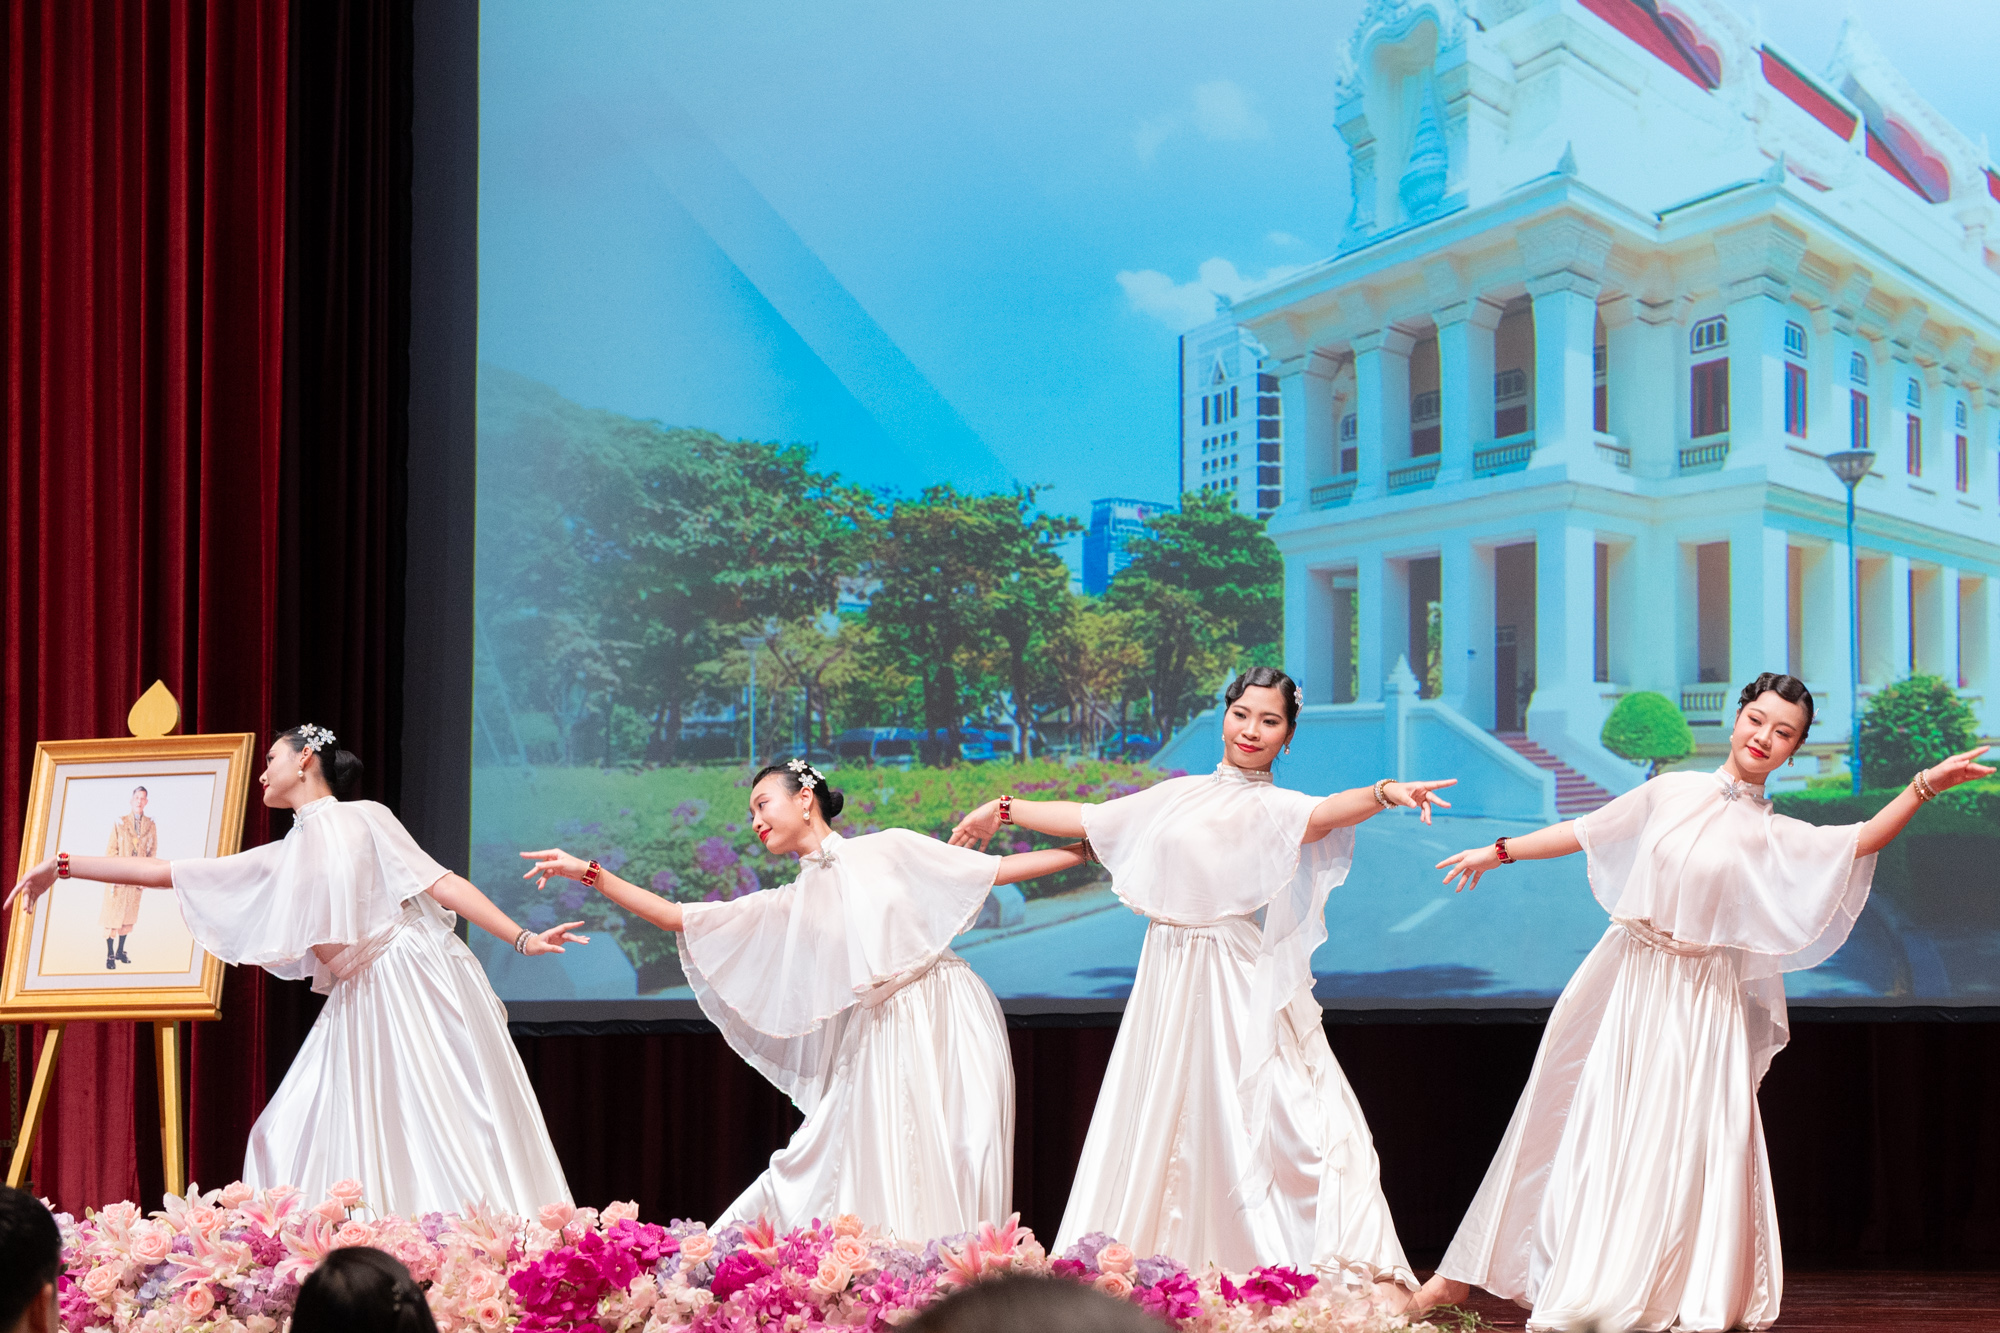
914 1128
1167 1154
410 1084
1632 1189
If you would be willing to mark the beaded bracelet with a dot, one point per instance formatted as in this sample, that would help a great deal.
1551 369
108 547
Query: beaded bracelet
1921 785
590 876
62 865
1381 798
1500 850
521 942
1006 809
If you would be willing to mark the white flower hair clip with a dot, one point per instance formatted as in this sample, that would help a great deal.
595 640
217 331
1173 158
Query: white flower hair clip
809 777
315 738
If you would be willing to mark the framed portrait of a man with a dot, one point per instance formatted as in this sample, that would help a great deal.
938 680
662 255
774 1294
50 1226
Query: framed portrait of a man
104 951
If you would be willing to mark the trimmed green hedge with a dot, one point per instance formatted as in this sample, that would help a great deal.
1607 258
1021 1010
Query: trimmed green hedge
1942 874
1969 809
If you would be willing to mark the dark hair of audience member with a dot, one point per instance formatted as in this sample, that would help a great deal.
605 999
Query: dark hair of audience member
359 1289
1024 1304
30 1257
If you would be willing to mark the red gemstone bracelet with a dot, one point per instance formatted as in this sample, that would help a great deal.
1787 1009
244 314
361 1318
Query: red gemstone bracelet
1500 850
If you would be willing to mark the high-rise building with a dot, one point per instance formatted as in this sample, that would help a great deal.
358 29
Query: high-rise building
1232 428
1113 523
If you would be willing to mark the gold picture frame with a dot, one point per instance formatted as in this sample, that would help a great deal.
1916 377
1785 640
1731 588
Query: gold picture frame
50 972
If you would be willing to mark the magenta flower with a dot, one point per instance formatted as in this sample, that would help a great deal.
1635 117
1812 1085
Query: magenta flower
736 1272
1172 1298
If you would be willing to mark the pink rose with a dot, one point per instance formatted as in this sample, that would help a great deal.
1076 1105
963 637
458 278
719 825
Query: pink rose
419 1258
151 1243
696 1248
1113 1284
99 1283
831 1280
1116 1258
201 1218
197 1301
489 1313
235 1194
852 1252
332 1211
483 1283
614 1213
353 1235
556 1216
121 1214
847 1224
346 1193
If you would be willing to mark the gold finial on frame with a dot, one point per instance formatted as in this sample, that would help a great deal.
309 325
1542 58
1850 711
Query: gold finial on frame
156 713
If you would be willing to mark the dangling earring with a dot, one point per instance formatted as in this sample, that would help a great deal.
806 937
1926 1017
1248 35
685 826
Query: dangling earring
1288 748
302 775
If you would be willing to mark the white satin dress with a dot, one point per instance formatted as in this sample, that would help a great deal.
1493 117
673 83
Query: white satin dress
408 1081
1632 1190
839 989
1225 1131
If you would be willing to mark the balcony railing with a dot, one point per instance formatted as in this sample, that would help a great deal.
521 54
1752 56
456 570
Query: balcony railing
1509 454
1704 704
1413 477
1704 455
1613 452
1331 494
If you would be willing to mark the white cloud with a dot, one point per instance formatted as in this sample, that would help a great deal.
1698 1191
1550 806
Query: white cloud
1222 113
1182 305
1283 238
1219 112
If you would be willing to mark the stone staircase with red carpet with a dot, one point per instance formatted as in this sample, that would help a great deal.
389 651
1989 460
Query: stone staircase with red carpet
1575 793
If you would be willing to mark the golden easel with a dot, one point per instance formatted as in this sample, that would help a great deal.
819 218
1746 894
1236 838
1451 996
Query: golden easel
151 720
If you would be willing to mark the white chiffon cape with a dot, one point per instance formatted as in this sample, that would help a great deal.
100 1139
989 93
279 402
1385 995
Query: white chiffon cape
1632 1188
840 989
1225 1131
408 1081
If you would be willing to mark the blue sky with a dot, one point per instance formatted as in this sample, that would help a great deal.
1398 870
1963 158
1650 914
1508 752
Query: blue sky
945 241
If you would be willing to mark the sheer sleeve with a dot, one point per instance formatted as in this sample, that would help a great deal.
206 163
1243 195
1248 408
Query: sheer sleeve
341 876
1610 836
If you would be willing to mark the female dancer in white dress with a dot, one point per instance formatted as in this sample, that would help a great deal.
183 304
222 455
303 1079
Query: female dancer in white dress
1632 1190
408 1081
1225 1132
839 989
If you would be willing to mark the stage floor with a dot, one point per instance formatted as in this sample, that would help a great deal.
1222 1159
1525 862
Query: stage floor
1852 1302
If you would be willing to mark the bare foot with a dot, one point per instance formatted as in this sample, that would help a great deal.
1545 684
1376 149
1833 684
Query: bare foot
1390 1296
1440 1290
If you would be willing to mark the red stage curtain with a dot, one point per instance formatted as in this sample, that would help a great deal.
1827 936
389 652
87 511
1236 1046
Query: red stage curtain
145 228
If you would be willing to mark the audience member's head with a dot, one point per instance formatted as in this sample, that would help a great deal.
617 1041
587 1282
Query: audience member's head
30 1261
1032 1305
360 1290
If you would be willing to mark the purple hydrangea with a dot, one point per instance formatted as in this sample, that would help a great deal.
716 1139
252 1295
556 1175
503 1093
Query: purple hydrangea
690 812
1147 1272
714 855
1086 1249
614 859
666 882
746 880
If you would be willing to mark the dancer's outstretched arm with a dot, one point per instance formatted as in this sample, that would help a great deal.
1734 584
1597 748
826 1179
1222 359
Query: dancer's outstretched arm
455 893
1060 819
1880 831
146 872
1344 809
642 903
1033 865
1541 845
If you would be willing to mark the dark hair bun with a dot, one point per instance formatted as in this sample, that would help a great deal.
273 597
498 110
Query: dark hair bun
830 802
343 771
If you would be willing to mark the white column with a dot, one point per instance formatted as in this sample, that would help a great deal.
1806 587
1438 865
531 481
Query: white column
1644 387
1369 662
1624 608
1468 580
1455 602
1309 629
1758 607
1948 626
1756 379
1565 308
1312 446
1656 620
1465 383
1393 622
1900 664
1978 636
1381 408
1566 696
1826 636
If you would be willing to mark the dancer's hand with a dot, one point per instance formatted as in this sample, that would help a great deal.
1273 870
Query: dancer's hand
1959 768
555 861
1418 795
35 883
977 829
1471 864
553 939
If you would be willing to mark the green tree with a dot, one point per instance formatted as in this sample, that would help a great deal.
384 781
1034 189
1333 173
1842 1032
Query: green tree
1911 725
1099 659
1649 729
1029 602
933 558
1208 586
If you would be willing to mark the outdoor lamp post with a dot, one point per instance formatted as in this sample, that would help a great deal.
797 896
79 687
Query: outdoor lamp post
1851 465
751 643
